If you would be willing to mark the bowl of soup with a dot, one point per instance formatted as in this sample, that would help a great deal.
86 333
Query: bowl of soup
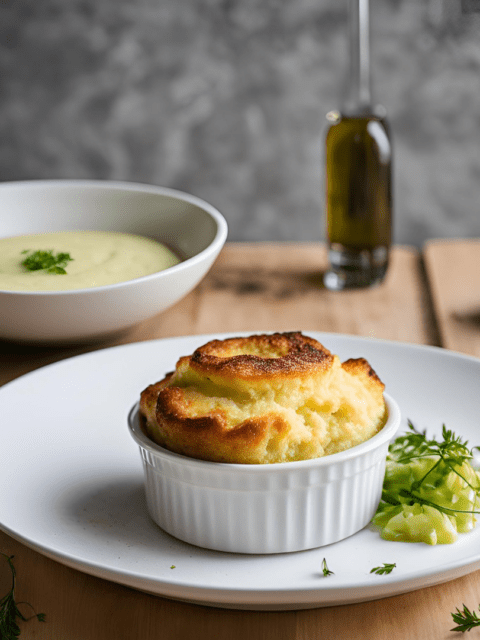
81 260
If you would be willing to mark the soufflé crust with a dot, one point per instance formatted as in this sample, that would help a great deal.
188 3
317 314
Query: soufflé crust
264 399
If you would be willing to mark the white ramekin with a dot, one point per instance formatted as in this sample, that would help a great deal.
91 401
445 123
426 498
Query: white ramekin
265 508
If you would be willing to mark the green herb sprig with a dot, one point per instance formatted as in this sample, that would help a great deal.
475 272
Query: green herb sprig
414 445
325 570
387 568
9 611
465 619
46 260
450 453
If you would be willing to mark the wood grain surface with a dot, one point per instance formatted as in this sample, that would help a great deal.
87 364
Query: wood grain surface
453 270
258 287
271 287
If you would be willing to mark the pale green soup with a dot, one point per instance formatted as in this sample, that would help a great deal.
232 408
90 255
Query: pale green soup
98 258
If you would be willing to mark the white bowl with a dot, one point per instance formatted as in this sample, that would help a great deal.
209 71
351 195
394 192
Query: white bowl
190 225
265 508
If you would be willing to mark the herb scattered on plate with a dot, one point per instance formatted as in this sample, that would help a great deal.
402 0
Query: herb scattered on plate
325 570
386 568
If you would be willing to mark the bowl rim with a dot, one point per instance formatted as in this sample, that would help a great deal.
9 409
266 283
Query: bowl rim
215 245
385 435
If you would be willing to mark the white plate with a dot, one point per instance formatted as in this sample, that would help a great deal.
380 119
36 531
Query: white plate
72 483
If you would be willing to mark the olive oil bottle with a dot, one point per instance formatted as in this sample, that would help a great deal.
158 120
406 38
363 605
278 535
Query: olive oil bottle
358 174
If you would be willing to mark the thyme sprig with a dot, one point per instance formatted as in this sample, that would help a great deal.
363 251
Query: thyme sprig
414 444
9 611
386 568
325 570
465 619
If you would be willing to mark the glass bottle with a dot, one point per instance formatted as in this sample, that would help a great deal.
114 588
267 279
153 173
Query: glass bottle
358 174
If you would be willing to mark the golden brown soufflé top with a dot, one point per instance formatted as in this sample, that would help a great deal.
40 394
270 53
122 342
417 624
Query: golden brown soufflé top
263 399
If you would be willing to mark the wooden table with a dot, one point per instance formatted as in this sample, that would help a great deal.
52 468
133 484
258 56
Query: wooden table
431 297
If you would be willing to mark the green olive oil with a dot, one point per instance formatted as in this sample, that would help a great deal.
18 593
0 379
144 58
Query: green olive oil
358 161
358 199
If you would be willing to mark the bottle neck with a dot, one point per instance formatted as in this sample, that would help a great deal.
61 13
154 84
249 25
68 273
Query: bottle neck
358 94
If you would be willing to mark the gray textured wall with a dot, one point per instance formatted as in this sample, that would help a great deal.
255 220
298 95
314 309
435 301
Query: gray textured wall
227 99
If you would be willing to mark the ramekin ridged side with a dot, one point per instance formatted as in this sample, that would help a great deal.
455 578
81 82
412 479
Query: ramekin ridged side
265 508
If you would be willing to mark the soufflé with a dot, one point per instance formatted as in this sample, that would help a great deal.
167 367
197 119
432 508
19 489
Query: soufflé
264 399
